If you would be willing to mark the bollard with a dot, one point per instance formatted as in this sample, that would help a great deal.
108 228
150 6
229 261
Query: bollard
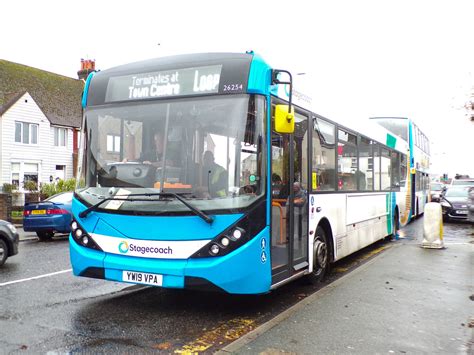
433 227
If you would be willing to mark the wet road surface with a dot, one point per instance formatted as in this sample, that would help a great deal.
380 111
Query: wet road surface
62 313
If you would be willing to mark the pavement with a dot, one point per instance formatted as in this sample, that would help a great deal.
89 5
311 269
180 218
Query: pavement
24 236
407 300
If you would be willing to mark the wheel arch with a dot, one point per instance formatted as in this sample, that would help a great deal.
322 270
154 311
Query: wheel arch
326 225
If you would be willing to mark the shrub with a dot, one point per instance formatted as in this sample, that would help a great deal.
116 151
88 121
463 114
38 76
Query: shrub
48 190
30 185
9 188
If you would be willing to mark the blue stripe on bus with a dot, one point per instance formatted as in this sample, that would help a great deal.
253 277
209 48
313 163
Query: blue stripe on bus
260 76
412 165
153 227
86 90
393 197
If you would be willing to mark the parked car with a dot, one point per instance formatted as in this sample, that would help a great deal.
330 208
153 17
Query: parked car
454 203
9 239
50 216
436 190
470 204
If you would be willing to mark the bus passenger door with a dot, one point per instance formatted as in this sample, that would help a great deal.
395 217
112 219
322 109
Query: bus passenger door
289 247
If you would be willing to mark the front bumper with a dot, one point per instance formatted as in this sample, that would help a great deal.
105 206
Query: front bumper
243 271
459 214
15 242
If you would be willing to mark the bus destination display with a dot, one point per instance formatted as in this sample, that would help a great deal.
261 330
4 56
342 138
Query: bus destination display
179 82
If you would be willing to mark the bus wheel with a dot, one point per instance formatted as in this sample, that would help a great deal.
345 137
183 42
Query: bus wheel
320 256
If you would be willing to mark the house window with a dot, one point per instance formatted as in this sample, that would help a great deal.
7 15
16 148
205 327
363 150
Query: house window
60 172
60 137
26 133
113 143
16 174
30 172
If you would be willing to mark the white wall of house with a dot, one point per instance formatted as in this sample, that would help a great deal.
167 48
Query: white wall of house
43 156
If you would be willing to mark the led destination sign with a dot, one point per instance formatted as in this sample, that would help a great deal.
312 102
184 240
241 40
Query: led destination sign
179 82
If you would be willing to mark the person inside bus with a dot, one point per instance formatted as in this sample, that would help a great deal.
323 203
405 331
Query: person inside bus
299 203
277 185
214 176
154 156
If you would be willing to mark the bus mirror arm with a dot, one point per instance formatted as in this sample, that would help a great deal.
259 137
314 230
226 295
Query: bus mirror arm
276 80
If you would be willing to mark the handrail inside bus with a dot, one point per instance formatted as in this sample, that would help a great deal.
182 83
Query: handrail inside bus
276 203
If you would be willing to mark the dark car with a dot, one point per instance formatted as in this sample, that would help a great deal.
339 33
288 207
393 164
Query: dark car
470 204
454 203
436 190
50 216
8 241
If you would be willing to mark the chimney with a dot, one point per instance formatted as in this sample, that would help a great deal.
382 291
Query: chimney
87 66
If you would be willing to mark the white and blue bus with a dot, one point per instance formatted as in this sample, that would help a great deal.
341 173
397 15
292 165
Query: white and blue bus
415 167
195 173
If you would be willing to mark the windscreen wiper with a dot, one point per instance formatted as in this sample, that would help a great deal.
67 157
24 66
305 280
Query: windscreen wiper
198 212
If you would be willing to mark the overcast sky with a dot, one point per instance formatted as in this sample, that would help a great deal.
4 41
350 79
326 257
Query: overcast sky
364 58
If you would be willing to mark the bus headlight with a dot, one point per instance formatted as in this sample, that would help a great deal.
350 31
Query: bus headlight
81 237
214 249
235 235
225 241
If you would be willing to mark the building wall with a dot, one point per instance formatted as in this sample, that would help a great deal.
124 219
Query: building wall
44 153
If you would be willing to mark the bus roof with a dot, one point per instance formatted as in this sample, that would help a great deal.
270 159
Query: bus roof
174 76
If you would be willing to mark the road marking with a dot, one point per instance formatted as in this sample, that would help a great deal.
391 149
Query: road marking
232 330
35 277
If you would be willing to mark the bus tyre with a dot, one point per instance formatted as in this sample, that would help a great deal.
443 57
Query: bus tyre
44 236
320 257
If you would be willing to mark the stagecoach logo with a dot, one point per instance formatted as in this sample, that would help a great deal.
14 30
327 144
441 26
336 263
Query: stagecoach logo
123 247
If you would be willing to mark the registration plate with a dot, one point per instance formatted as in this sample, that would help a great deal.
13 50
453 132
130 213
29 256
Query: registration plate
38 212
461 212
142 278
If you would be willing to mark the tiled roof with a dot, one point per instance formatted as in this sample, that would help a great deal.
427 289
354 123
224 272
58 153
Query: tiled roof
59 97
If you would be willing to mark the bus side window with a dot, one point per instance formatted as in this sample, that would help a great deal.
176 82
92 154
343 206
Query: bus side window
323 156
385 169
347 161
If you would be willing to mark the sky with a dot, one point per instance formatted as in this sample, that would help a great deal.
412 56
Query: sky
365 58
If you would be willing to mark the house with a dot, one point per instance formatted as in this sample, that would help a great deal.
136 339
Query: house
40 119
